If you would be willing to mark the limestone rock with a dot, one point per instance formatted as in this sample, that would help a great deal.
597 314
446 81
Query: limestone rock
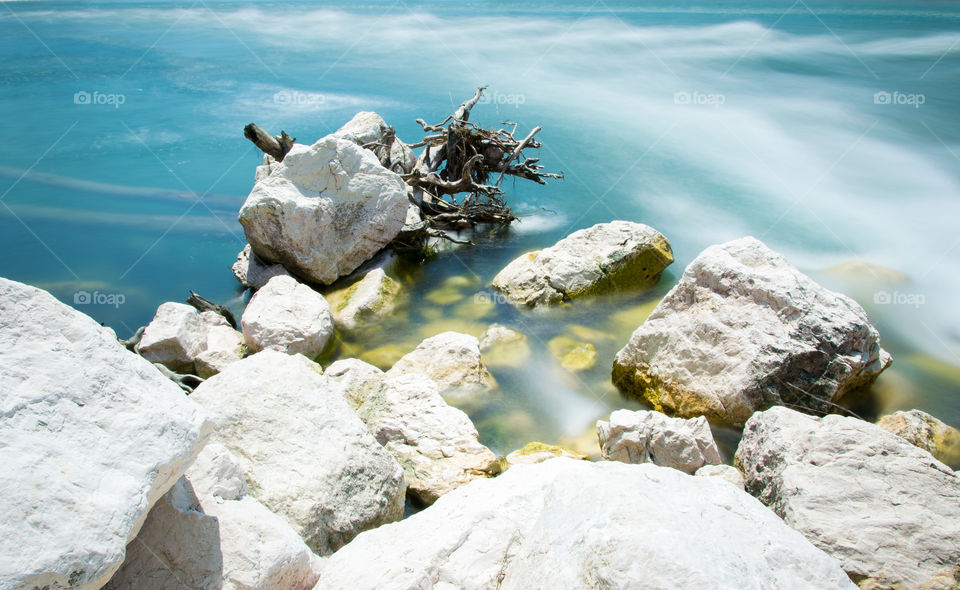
451 359
501 346
537 452
927 432
92 436
607 256
305 454
354 379
653 437
289 317
573 355
373 297
575 524
725 472
324 210
886 509
223 346
744 330
366 128
253 272
174 338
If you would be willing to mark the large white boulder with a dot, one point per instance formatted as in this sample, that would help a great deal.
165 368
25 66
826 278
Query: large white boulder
367 128
174 338
886 509
436 444
324 210
575 524
451 359
253 272
653 437
91 437
744 330
287 316
223 346
606 256
207 532
305 454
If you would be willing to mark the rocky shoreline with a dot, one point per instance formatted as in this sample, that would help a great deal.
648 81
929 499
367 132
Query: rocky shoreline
276 472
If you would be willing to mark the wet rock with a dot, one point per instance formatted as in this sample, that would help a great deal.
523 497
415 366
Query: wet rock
573 354
305 454
744 330
925 431
289 317
653 437
886 509
366 301
607 256
501 346
576 524
324 210
92 437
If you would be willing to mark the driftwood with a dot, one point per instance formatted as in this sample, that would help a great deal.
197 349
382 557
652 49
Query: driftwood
276 146
450 182
132 342
186 382
202 305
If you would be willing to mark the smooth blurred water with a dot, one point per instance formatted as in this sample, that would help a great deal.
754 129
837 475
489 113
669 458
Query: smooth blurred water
706 120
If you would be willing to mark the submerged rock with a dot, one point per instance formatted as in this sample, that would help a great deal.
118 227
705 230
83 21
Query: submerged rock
576 524
451 359
366 301
886 509
925 431
289 317
607 256
653 437
744 330
573 355
538 452
501 346
92 437
305 453
324 210
253 272
436 444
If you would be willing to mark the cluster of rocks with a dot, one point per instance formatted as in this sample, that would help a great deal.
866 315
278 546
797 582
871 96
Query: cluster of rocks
276 473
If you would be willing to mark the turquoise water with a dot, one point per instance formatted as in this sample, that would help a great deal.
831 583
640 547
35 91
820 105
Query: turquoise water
706 120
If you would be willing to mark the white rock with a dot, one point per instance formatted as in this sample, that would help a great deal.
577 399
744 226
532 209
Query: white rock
223 347
289 317
537 452
324 210
367 128
504 347
619 254
354 379
653 437
925 431
192 541
174 338
725 472
451 359
436 444
305 454
366 301
575 524
91 437
253 272
886 509
744 330
218 473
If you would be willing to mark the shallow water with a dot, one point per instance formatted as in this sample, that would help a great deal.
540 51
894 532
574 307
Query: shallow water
706 121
